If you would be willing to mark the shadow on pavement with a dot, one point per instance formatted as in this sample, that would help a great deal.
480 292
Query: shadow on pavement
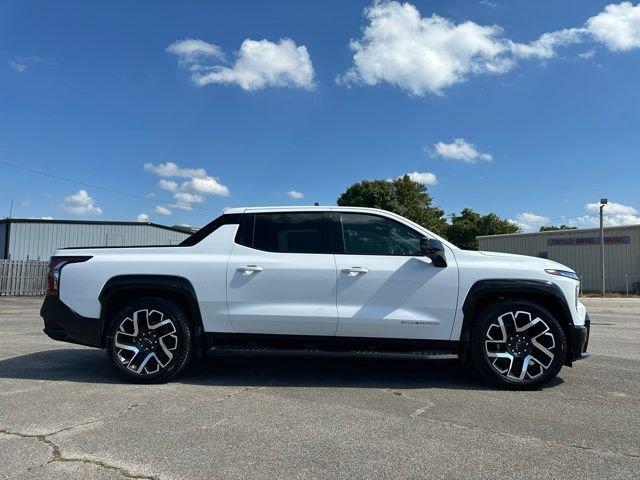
90 365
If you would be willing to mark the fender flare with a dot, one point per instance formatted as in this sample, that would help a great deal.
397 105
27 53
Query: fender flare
153 283
509 287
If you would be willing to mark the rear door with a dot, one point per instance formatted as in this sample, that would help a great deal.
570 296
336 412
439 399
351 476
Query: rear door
386 287
281 276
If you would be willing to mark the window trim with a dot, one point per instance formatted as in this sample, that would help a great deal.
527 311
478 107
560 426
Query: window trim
393 220
198 236
326 229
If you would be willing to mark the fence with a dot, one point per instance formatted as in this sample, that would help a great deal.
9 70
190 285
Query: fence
23 277
627 284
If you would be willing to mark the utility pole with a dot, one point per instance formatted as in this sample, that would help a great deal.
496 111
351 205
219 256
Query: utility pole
10 208
603 202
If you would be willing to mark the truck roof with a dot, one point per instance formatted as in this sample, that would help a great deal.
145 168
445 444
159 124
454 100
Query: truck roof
306 208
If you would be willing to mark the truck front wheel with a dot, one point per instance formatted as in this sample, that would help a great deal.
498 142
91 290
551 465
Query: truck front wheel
518 344
149 340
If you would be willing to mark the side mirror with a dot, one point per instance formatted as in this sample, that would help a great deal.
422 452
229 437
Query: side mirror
434 249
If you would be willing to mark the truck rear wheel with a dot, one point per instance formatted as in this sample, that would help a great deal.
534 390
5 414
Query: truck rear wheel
150 340
518 344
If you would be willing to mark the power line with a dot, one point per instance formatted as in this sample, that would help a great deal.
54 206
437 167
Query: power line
142 197
98 187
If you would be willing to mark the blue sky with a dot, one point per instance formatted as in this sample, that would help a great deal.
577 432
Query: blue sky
527 109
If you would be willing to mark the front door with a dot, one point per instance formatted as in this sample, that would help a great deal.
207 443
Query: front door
281 276
386 287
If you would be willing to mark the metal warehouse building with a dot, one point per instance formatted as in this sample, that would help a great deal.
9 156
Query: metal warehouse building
27 239
580 250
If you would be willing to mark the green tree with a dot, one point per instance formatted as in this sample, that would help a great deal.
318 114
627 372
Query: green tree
550 228
464 228
402 196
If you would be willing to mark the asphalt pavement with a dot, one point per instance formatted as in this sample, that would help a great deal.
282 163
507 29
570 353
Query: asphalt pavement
64 413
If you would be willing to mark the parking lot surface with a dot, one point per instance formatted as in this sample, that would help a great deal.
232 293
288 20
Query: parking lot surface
64 413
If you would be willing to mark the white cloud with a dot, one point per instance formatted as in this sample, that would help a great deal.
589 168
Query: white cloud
205 186
422 55
162 210
489 4
295 195
258 64
143 217
170 169
168 185
426 178
530 222
186 197
617 26
191 50
193 190
18 67
460 150
612 208
429 54
615 214
81 203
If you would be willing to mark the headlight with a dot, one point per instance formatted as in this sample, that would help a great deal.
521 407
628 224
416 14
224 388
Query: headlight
562 273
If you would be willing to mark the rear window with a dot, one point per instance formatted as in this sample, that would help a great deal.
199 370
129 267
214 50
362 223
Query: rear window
285 232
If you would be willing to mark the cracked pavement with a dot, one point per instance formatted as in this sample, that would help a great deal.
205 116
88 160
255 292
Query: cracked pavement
65 414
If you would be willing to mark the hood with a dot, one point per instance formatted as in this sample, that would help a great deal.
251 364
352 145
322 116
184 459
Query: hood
542 262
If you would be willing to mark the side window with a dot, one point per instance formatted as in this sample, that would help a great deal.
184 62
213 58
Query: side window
290 232
372 235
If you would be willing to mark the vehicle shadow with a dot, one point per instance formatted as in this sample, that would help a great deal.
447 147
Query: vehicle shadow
91 366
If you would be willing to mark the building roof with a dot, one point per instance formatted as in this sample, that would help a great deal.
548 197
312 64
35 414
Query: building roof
92 222
563 232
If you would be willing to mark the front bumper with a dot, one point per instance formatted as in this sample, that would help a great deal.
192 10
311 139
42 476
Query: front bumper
580 340
62 323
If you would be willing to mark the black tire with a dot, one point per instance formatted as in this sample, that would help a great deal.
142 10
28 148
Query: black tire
164 345
505 320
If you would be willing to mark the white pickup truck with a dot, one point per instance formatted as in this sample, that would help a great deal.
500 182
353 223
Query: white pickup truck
317 280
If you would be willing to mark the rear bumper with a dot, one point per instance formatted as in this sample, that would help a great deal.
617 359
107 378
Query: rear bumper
63 324
580 340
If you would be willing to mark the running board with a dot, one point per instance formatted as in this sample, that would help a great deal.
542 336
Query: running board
245 350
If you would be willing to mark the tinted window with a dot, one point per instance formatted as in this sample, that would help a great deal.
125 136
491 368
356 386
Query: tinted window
290 232
373 235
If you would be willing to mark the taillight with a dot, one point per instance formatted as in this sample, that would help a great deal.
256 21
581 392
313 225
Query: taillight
55 265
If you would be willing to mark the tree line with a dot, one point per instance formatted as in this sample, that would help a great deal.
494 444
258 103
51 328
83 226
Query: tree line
412 200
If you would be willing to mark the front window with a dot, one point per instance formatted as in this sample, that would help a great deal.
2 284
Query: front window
373 235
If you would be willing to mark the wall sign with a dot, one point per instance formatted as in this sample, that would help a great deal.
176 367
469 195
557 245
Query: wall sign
620 240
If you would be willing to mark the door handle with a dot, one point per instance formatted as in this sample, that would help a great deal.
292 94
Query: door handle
249 269
353 271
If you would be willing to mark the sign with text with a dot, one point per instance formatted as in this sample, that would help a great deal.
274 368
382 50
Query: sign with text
620 240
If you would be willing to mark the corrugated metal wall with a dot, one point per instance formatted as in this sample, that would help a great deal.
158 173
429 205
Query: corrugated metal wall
580 250
38 241
3 234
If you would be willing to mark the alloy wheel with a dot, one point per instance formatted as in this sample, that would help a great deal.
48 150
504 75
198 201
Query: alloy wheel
145 341
519 345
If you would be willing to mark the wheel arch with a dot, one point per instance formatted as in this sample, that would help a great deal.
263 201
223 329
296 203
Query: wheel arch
486 292
121 289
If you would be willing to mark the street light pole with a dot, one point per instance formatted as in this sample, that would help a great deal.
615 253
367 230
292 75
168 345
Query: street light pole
603 202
